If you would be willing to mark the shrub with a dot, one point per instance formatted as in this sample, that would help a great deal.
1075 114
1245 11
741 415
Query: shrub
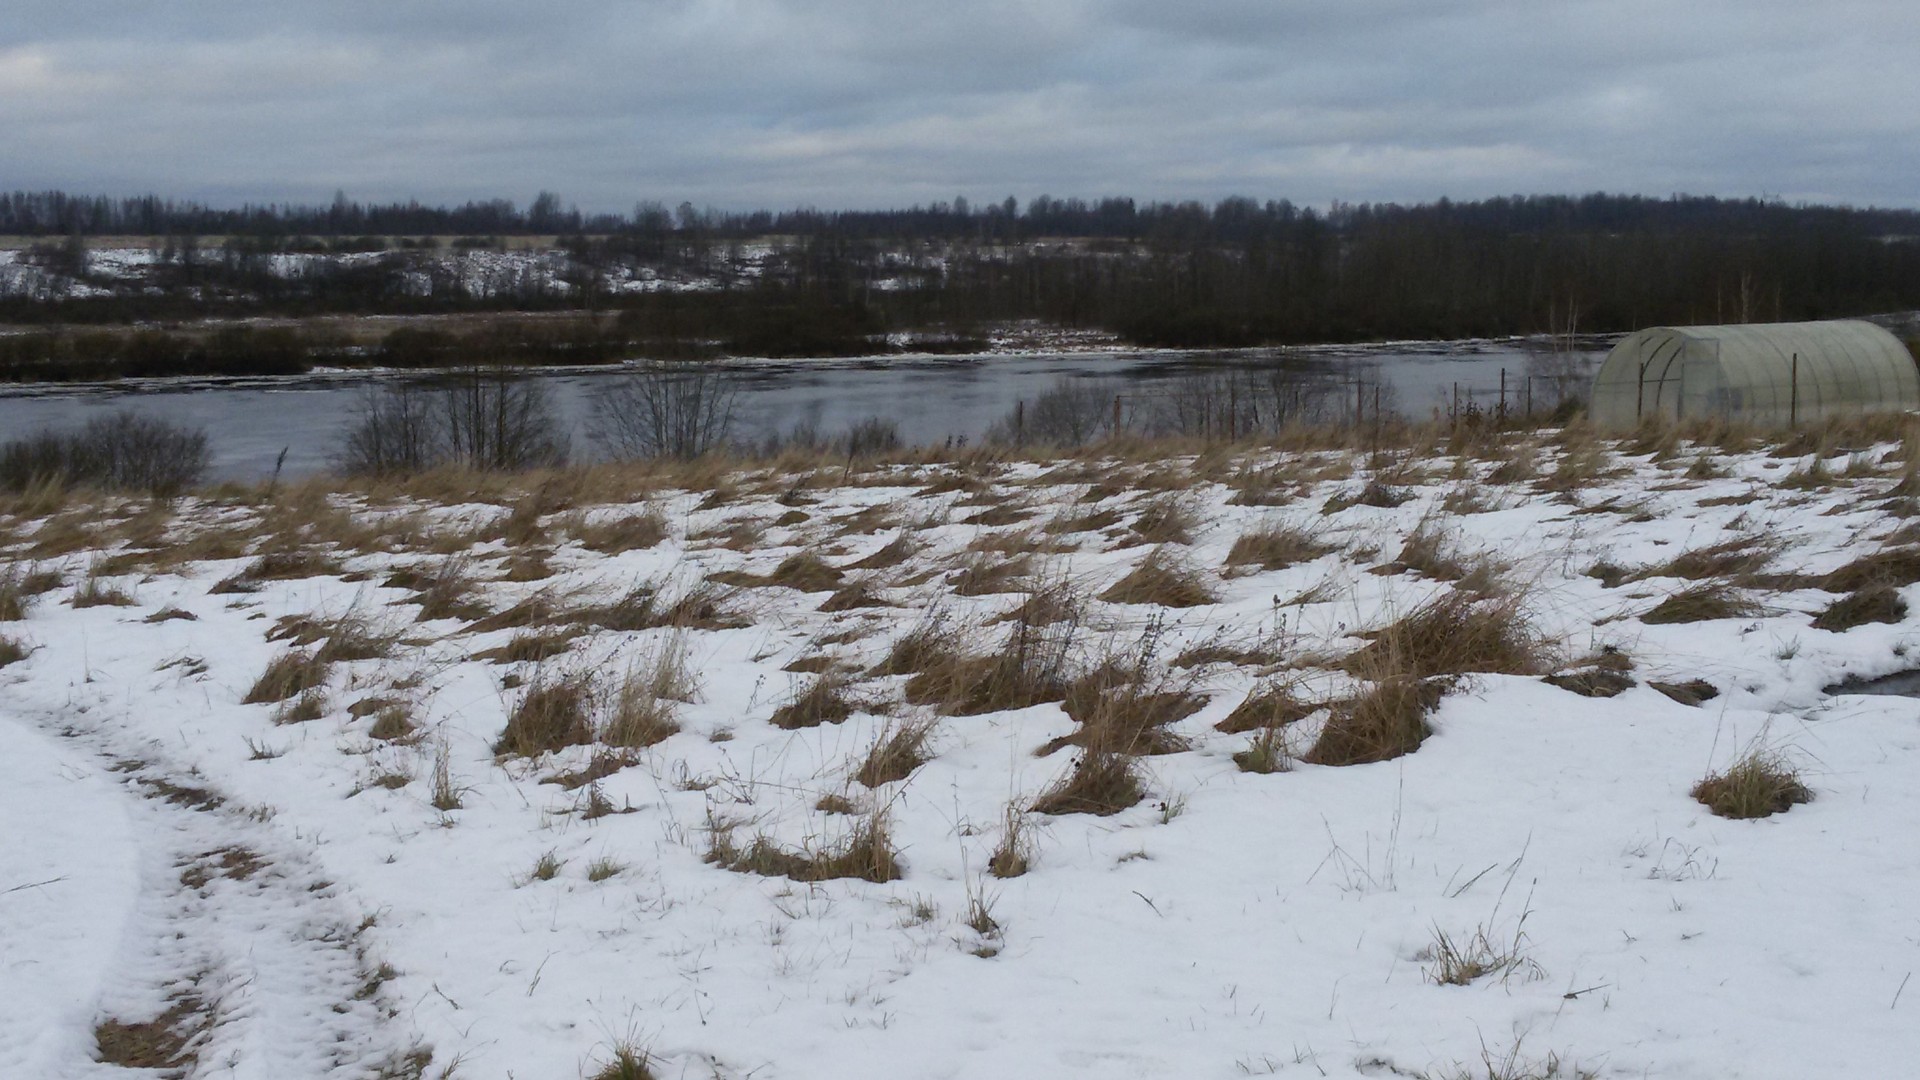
121 451
675 409
496 420
397 431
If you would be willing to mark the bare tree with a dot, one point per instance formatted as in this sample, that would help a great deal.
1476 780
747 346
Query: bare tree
667 408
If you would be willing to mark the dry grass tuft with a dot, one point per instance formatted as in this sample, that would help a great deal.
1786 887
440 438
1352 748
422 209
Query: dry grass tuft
862 593
553 715
1461 963
443 591
12 650
96 591
1013 855
1761 783
1455 633
985 573
865 853
1167 519
703 606
1272 705
1100 782
647 701
806 572
892 554
288 675
1030 667
1873 604
633 532
1740 555
897 751
1274 545
1165 580
1127 702
1384 722
169 1043
1267 752
530 647
1700 603
1048 601
627 1062
826 700
1894 566
1692 692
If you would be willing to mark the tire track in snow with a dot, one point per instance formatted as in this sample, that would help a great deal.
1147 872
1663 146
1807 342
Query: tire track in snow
228 911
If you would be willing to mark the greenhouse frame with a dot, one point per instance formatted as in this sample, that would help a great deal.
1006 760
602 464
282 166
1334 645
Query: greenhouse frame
1770 374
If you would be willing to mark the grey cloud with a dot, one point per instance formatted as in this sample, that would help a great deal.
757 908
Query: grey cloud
866 103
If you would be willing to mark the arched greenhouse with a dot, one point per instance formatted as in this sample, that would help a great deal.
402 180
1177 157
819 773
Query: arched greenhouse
1772 374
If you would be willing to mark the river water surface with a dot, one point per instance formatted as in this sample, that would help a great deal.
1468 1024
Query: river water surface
251 422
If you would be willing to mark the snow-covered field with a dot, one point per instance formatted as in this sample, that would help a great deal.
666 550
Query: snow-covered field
373 872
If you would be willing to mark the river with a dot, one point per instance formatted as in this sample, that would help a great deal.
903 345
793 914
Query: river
251 422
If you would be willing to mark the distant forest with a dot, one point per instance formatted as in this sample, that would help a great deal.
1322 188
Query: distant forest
1236 273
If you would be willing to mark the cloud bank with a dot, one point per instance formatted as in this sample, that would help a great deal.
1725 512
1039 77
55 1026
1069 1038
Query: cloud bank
865 103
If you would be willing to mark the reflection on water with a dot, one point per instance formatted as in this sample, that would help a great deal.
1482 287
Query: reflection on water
250 422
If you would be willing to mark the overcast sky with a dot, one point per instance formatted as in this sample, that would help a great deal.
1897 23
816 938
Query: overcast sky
873 103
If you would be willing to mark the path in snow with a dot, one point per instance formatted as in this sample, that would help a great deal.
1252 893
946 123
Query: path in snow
130 887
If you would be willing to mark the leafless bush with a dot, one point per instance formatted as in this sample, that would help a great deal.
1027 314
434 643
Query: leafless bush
397 431
496 420
476 418
1071 412
676 409
121 451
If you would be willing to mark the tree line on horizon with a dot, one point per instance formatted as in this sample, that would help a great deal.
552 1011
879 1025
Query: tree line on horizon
1237 273
1235 219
